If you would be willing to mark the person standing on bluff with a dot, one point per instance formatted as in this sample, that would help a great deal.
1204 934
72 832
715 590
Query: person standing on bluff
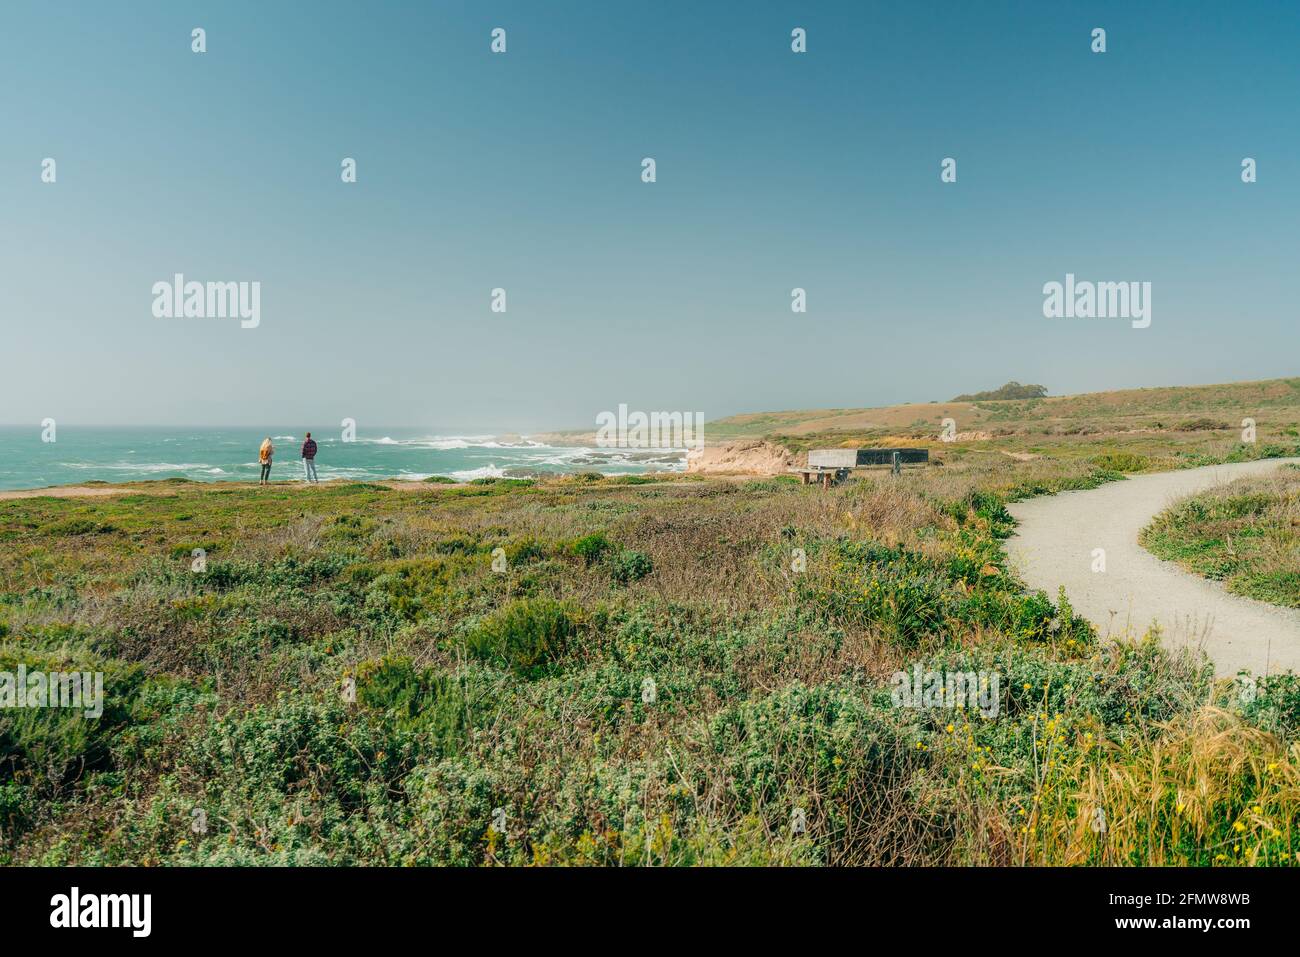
264 456
309 459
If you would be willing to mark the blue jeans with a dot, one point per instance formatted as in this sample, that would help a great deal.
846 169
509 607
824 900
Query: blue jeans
309 470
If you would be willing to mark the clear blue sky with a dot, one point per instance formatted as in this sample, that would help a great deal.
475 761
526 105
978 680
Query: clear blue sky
522 171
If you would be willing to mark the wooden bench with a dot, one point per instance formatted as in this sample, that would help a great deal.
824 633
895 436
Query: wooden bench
827 477
829 467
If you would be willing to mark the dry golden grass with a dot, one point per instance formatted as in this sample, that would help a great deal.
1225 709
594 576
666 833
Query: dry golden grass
1276 400
1207 788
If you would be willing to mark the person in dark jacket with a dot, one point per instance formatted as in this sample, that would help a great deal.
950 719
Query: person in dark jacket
309 460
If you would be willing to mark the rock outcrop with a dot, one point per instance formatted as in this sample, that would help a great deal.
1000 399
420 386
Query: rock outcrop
743 456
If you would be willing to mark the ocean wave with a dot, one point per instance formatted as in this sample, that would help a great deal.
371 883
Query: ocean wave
487 471
344 472
212 456
443 443
598 458
147 467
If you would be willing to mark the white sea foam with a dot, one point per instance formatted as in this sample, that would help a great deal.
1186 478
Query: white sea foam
149 467
448 442
596 458
488 471
129 456
338 472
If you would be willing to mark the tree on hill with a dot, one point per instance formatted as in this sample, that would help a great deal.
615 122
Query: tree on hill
1012 390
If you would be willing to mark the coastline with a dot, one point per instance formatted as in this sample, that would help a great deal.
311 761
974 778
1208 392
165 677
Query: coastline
163 486
86 456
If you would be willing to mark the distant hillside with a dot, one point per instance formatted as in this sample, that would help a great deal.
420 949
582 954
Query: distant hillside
1273 401
1012 390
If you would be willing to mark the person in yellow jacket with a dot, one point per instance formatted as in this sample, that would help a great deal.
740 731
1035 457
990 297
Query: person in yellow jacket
264 456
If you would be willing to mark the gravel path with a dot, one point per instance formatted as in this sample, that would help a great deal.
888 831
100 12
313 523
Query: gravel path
1054 546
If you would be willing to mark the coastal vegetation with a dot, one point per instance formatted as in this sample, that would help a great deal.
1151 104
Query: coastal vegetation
652 670
1245 534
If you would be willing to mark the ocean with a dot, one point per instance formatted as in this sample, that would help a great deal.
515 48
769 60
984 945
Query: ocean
113 454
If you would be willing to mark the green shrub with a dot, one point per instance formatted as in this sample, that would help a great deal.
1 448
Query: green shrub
630 566
527 635
287 573
825 751
298 780
45 748
591 548
983 505
424 700
1122 462
1275 705
905 595
410 588
911 604
1027 616
526 549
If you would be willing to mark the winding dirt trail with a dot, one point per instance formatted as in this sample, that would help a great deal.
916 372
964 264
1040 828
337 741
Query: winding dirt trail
1054 544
